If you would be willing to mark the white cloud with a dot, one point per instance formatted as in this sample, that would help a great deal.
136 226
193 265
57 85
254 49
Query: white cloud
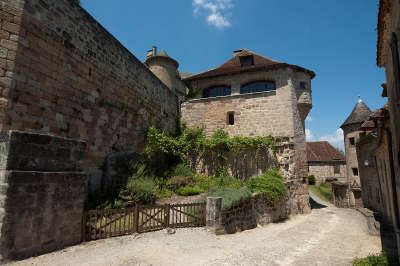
215 11
308 119
335 138
309 135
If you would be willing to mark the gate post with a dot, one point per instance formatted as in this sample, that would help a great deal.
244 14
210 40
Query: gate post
166 216
135 219
213 213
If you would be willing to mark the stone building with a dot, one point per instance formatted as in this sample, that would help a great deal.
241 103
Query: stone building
252 95
325 162
388 57
351 131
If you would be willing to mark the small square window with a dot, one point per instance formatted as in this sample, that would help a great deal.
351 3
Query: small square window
231 118
355 171
303 85
351 141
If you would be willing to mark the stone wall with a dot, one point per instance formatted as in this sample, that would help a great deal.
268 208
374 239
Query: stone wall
42 193
340 194
245 215
325 171
62 73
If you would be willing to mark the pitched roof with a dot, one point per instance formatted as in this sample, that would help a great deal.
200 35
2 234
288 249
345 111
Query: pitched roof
359 114
322 151
233 66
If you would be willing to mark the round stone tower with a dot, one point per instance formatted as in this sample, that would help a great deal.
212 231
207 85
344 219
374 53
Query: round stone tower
351 131
166 69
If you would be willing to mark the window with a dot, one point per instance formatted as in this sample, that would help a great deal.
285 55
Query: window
231 118
355 171
216 91
246 61
336 169
303 85
258 86
351 141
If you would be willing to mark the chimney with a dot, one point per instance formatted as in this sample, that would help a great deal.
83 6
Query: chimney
152 52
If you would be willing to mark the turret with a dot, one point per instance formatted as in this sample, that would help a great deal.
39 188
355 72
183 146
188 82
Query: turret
166 69
351 131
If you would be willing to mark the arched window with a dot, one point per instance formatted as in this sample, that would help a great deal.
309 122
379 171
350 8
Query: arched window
216 91
258 86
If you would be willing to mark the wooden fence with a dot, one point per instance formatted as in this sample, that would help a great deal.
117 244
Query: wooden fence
98 224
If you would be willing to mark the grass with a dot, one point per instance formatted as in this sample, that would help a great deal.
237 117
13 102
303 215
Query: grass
323 191
376 260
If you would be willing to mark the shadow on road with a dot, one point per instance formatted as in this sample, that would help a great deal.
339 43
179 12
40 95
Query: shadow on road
316 205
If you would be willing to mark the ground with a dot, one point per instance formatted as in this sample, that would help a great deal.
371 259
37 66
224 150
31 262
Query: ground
327 236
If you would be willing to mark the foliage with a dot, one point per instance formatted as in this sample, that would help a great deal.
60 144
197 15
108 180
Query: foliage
189 191
270 185
194 142
230 196
377 260
324 191
141 190
311 180
180 181
224 180
182 170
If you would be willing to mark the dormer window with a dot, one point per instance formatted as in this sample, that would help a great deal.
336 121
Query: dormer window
246 61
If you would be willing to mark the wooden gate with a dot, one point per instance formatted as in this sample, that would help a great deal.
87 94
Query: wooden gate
98 224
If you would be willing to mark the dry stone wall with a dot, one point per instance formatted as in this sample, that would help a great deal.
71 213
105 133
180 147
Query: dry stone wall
62 73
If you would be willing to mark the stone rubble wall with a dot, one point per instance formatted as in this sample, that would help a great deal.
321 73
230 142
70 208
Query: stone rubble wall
42 193
247 214
62 73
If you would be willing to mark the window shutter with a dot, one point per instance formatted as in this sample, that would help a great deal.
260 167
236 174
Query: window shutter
395 60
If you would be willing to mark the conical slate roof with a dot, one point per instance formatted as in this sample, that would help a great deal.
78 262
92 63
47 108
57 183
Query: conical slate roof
359 114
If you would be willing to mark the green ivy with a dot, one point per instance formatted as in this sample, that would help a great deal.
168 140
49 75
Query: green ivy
193 142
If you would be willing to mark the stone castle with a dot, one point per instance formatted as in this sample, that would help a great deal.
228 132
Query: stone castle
64 77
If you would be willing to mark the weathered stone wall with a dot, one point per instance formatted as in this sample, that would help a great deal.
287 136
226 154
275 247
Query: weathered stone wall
62 73
42 193
326 170
340 194
245 215
351 131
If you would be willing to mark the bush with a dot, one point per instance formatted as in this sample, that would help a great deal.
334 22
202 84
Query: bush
177 182
142 190
230 196
377 260
182 170
224 180
189 191
270 185
204 182
311 180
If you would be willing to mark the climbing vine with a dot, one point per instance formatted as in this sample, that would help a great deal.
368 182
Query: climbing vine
194 142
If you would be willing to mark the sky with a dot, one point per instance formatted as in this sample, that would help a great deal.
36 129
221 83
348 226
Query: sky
335 39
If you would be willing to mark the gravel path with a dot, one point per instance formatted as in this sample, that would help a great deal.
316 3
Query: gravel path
327 236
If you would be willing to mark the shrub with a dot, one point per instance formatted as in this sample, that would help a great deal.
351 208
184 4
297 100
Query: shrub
182 170
376 260
311 180
177 182
142 190
189 191
203 182
230 196
224 180
270 185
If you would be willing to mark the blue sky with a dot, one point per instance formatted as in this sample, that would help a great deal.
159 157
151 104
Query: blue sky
335 39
